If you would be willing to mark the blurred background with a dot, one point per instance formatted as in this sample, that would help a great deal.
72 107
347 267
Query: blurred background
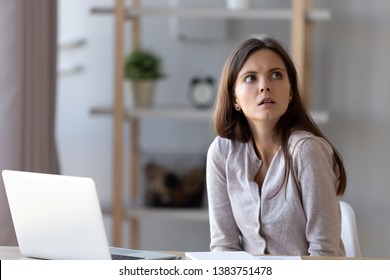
351 63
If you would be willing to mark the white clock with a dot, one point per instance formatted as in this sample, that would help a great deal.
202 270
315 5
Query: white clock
202 92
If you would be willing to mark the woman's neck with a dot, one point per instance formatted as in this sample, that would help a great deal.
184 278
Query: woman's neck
265 144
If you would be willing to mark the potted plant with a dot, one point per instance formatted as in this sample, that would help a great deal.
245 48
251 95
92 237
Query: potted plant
142 69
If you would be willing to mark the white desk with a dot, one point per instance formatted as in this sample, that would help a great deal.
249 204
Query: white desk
11 253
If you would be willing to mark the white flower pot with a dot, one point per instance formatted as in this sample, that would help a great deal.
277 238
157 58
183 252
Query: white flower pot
143 92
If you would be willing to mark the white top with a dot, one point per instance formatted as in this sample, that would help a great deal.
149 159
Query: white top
301 219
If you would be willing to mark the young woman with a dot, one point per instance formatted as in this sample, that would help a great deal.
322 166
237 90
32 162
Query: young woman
273 179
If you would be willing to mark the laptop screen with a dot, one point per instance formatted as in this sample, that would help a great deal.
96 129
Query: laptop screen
55 216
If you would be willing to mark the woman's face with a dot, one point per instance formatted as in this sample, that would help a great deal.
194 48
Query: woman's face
262 88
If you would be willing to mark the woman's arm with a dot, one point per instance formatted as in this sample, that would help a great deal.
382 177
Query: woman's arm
318 180
225 235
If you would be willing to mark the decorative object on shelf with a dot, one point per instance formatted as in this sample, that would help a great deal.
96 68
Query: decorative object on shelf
237 4
202 92
143 68
164 188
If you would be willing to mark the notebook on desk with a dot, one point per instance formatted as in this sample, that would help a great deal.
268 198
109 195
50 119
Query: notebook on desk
59 217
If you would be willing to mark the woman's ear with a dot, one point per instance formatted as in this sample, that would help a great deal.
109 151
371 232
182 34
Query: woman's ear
236 105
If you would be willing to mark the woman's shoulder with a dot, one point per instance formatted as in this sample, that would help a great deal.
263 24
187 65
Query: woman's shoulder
299 135
303 139
220 144
225 146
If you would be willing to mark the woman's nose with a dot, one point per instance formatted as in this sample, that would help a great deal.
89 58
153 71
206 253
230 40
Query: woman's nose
264 87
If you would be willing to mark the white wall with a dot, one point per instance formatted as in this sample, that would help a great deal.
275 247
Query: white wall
350 82
356 89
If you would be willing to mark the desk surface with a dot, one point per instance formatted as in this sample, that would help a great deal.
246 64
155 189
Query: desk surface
13 253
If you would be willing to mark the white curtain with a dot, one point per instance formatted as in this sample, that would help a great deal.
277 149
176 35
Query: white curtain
27 93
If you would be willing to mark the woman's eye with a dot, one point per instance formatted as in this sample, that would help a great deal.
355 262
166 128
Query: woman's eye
276 75
250 79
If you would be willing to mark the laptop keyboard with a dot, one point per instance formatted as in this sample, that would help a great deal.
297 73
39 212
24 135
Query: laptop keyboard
125 257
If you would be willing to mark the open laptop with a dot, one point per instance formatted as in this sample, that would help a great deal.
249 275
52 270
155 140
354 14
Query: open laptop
59 217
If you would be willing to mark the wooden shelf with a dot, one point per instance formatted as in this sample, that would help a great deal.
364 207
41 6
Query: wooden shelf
179 214
184 113
267 14
180 113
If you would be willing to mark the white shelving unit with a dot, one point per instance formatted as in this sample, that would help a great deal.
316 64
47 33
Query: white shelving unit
301 15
